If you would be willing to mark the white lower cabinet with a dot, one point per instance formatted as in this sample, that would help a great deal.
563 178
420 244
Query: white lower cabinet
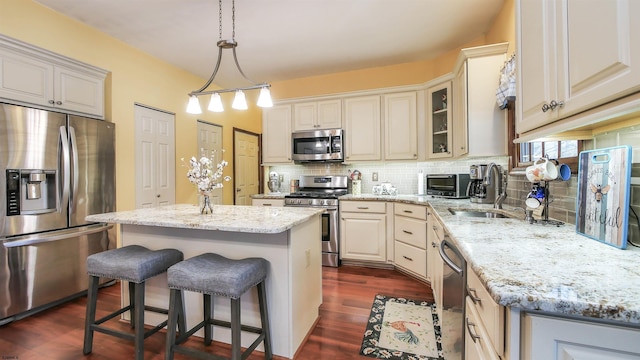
410 238
435 235
267 202
363 230
553 338
490 318
477 345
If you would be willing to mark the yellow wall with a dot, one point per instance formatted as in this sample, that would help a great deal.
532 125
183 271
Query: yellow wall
135 77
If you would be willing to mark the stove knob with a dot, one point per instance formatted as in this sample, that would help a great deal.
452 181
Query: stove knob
310 202
298 201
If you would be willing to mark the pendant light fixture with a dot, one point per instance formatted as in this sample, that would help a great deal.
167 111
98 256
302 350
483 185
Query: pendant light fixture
240 101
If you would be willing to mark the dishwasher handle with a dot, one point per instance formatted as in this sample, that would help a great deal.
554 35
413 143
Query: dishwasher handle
457 269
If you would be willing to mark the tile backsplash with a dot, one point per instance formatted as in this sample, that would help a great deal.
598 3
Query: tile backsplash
402 174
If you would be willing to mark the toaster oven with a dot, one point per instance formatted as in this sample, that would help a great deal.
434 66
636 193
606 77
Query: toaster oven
448 185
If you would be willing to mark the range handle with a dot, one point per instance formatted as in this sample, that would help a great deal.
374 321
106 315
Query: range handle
457 269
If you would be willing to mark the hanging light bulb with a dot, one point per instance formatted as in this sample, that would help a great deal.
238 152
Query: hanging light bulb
264 100
215 104
240 101
194 105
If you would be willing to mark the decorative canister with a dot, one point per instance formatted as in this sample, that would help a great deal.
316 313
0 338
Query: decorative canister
356 187
294 186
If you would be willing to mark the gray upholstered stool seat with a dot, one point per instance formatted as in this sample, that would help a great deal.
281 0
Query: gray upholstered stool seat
134 264
213 274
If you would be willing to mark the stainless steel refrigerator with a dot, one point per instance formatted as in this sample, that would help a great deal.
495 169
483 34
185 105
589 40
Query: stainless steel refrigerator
55 169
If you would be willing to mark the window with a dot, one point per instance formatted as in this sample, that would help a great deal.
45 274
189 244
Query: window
523 154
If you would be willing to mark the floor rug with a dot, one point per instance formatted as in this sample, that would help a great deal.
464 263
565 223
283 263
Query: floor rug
402 329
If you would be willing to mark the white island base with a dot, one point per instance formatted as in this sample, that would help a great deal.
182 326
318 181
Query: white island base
294 282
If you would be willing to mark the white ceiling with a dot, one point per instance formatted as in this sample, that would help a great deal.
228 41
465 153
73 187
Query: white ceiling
286 39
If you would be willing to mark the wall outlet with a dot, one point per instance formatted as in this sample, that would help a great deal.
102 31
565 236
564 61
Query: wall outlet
374 176
307 256
281 178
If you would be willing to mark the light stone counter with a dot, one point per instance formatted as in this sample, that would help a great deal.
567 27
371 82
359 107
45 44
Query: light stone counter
248 219
279 195
541 267
289 238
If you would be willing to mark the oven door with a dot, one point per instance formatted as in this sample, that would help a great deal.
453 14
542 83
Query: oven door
443 185
330 245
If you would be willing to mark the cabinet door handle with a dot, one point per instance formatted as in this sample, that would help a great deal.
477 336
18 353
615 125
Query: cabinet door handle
407 232
435 228
433 244
266 204
408 211
58 102
408 258
474 297
473 334
363 207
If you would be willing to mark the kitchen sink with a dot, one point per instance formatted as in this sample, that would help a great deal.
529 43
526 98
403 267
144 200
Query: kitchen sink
492 214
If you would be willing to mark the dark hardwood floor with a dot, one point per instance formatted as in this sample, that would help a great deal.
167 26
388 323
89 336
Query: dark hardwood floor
57 333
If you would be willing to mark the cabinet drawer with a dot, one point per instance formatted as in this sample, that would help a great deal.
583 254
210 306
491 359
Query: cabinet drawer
411 258
364 206
476 342
267 202
437 227
411 231
491 314
413 211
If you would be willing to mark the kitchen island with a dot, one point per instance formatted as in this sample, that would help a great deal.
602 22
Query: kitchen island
289 238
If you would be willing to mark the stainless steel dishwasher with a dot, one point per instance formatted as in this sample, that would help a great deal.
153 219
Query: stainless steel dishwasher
453 294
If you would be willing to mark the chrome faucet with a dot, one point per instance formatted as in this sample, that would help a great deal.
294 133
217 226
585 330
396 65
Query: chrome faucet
499 183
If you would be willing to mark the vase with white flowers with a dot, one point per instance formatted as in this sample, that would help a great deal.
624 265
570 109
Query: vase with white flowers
207 176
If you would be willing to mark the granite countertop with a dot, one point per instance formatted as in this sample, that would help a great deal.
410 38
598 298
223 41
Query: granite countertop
248 219
540 267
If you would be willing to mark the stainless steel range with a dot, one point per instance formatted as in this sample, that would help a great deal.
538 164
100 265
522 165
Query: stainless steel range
323 192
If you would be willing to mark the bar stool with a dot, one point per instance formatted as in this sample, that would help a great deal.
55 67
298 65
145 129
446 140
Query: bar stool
213 274
134 264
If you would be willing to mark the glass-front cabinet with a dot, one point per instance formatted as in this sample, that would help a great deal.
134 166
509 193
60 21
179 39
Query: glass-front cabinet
439 121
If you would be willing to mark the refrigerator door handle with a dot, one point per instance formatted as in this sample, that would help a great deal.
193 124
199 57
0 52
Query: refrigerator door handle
38 239
74 162
66 167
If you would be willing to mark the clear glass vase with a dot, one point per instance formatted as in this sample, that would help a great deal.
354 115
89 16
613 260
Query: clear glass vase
205 204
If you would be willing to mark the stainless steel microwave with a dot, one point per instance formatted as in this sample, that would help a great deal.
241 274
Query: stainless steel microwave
317 146
448 185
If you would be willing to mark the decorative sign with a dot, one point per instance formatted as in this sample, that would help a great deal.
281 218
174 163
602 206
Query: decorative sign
602 207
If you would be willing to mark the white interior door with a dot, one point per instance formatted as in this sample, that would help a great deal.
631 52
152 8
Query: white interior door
210 142
154 157
246 175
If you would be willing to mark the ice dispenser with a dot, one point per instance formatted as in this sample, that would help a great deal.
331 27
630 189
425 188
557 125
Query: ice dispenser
31 191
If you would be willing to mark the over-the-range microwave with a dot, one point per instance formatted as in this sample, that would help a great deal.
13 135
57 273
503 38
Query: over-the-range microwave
317 146
448 185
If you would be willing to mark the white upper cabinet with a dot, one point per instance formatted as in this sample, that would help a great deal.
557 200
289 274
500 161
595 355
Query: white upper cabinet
276 135
317 115
400 126
574 55
439 119
362 128
479 125
38 77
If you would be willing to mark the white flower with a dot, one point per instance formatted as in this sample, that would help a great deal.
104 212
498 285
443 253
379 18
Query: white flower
205 175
